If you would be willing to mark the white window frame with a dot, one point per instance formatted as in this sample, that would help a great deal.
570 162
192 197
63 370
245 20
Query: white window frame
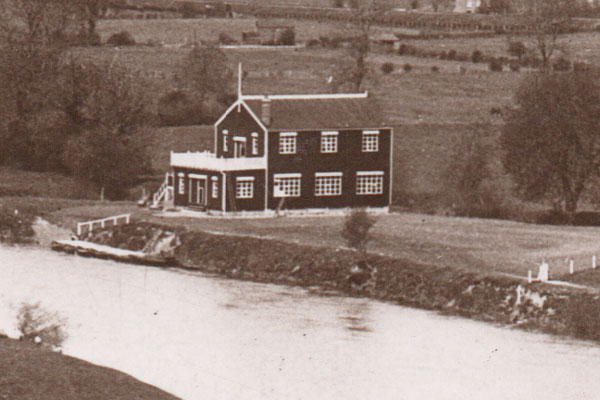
244 187
225 139
254 143
329 142
215 187
328 183
287 185
370 141
369 182
287 142
181 183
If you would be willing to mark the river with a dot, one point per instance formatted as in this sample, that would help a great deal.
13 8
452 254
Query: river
204 337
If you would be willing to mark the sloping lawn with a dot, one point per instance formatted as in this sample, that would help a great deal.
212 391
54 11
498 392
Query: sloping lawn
29 372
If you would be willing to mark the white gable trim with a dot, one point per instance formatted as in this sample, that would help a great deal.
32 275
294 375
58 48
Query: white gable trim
234 105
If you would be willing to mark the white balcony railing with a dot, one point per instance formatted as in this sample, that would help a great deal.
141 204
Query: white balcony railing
208 160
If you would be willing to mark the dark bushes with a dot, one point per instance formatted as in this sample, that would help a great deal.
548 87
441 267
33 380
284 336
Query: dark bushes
495 65
225 39
387 68
287 37
476 56
122 38
407 67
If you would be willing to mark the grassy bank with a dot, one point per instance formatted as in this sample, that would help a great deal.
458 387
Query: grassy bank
29 372
441 287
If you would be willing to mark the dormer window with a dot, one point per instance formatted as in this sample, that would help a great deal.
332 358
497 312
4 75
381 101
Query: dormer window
329 142
254 143
287 142
225 140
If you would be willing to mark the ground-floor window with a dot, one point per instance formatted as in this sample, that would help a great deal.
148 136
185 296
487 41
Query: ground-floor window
286 185
244 188
369 182
181 185
215 187
328 183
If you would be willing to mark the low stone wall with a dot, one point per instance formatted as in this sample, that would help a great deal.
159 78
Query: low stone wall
558 310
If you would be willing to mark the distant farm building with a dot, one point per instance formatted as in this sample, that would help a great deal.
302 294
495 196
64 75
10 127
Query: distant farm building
268 32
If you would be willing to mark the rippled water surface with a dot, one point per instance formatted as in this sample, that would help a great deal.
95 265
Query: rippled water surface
201 337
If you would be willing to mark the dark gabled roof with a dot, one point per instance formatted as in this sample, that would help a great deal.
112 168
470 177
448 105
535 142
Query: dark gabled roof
321 113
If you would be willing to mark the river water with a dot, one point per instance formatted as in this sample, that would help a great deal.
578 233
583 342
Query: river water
202 337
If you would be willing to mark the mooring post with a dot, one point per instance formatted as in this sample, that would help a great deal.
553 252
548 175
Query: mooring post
571 268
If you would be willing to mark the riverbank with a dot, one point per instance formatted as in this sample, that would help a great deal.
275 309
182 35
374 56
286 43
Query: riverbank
498 299
28 371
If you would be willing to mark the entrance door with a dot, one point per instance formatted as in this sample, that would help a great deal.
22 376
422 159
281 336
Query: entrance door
197 192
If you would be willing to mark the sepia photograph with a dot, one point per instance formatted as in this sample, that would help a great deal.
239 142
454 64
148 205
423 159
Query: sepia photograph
299 199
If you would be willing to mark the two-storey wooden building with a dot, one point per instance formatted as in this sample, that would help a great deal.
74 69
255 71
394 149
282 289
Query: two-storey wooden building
290 152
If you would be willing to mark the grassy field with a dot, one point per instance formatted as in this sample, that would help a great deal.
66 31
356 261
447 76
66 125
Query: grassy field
484 246
29 372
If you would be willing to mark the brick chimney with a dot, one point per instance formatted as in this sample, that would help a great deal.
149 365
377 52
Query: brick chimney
265 111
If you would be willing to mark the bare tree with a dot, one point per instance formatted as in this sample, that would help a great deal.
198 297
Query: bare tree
356 69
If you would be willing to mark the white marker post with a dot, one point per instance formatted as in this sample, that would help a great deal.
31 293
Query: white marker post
593 262
571 268
529 276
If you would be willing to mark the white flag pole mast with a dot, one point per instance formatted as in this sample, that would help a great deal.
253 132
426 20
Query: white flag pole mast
239 84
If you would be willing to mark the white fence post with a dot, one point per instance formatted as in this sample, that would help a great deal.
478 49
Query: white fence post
529 276
594 262
571 267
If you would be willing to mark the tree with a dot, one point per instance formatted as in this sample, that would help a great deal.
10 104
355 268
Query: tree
356 231
355 69
465 172
92 11
551 140
110 150
517 49
204 74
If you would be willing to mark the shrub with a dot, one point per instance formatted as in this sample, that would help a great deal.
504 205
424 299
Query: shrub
313 43
402 49
517 49
561 65
35 323
515 65
462 57
122 38
387 68
581 67
476 56
224 38
325 41
435 68
443 55
495 65
451 55
407 67
356 230
287 37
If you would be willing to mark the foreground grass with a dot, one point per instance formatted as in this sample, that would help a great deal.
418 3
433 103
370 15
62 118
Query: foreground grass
30 372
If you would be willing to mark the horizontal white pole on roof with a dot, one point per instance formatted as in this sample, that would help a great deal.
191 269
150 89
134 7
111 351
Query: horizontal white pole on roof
369 173
317 96
318 174
294 175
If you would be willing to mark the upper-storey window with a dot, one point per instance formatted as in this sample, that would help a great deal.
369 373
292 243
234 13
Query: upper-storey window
254 143
287 142
286 185
225 140
329 142
370 141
